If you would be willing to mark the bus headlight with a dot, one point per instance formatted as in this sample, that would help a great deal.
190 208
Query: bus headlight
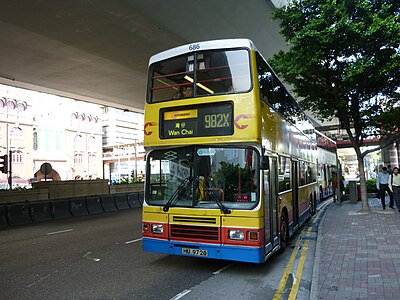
236 235
157 228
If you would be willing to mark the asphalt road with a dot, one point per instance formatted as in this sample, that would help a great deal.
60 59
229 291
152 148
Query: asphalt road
100 257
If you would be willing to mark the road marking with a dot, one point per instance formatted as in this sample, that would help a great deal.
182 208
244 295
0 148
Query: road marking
224 268
62 231
133 241
286 273
299 272
39 280
180 295
91 258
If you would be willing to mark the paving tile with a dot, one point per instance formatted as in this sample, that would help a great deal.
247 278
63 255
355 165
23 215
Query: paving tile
361 253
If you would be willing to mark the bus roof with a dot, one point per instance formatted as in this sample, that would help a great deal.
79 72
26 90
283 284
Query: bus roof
206 45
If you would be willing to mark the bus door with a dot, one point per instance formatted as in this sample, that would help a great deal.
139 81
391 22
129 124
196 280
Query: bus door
274 201
295 194
271 206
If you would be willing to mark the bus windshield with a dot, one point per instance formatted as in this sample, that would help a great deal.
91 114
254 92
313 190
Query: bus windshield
203 177
200 74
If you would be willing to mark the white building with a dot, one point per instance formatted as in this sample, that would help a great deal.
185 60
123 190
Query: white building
123 150
38 128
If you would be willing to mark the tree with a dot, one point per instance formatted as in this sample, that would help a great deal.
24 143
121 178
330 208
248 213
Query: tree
343 61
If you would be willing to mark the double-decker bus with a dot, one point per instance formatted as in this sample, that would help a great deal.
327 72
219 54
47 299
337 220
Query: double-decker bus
327 164
231 160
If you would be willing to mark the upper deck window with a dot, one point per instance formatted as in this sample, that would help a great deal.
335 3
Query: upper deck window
200 74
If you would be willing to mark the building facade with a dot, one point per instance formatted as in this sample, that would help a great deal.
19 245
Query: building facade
123 150
38 128
16 131
80 140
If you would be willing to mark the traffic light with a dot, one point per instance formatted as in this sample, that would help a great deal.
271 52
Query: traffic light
4 163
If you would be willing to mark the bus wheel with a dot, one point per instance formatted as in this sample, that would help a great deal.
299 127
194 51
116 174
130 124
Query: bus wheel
284 234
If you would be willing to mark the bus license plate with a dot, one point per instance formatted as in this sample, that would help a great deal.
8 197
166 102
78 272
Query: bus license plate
196 252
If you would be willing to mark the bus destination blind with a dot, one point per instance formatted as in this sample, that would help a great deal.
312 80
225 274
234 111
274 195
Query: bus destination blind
203 120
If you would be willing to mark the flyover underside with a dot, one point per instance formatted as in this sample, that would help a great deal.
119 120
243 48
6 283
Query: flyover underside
98 51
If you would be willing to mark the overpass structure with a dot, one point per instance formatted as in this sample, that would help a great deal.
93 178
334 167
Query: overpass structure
98 51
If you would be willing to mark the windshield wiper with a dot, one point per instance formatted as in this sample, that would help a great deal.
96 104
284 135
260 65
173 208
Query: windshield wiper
177 194
221 206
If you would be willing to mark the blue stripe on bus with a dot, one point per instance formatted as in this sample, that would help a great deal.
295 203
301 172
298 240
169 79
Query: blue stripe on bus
237 253
303 217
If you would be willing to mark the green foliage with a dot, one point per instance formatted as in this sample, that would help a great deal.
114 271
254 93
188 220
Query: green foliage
371 186
344 62
227 178
16 188
126 180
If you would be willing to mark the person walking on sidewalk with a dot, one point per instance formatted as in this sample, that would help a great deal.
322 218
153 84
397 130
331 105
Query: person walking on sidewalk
382 184
394 186
390 171
335 186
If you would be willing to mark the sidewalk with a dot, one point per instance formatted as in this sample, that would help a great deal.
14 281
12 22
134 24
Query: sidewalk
358 255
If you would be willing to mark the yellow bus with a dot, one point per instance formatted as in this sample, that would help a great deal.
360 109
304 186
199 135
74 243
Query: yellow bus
231 160
327 164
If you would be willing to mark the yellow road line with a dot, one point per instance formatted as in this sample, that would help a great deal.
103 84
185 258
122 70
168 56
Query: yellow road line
300 267
309 231
285 275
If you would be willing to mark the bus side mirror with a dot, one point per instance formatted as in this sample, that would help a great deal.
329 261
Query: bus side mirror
264 163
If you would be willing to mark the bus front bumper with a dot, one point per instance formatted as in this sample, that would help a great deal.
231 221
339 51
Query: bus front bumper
216 251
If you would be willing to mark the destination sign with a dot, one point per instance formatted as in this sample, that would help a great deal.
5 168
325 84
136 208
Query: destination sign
200 120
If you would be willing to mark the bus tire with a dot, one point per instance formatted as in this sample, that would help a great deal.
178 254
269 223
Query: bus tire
283 234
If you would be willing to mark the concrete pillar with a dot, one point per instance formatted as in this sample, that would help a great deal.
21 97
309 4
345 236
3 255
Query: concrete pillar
393 155
398 155
390 155
385 156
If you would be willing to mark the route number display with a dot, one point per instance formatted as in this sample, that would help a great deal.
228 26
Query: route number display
201 120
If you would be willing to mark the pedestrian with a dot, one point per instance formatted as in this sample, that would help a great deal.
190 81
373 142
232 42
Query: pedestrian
334 186
382 184
342 187
394 186
390 171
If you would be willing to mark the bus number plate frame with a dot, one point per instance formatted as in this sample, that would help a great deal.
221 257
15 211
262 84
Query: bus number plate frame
194 252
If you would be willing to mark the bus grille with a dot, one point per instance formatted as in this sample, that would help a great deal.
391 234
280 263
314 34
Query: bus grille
194 220
194 232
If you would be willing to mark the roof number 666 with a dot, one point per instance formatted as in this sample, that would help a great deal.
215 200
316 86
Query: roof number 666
194 47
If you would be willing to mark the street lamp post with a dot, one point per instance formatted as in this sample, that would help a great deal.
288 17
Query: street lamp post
8 150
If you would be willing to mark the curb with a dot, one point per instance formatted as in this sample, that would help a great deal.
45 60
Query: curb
314 282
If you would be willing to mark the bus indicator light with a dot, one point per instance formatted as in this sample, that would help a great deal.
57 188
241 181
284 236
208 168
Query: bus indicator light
253 236
146 227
